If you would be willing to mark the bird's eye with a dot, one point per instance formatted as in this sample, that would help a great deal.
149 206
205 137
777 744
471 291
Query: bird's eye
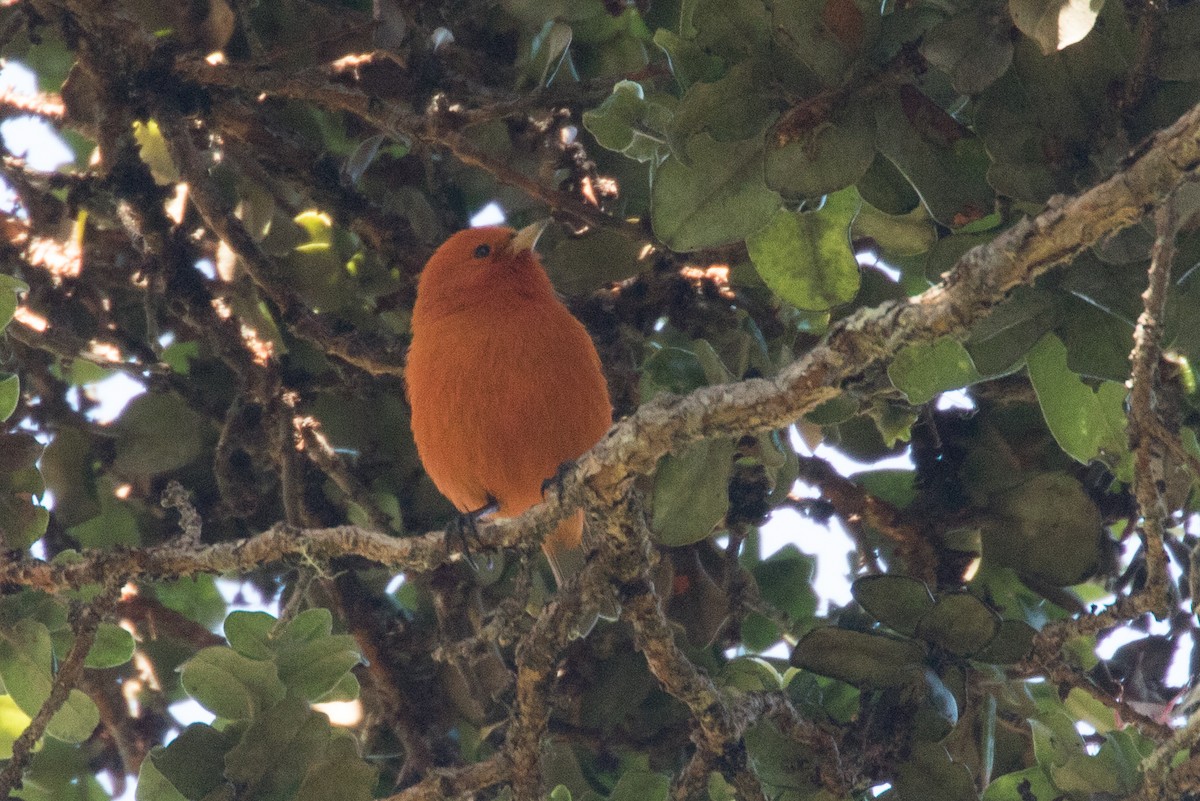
483 251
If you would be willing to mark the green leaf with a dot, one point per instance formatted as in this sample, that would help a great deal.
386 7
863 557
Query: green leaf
959 623
278 748
22 521
315 668
896 234
1097 342
1088 424
1083 706
671 369
829 155
691 492
922 371
780 762
12 722
868 661
179 355
629 124
937 708
249 633
1055 24
719 789
68 471
10 394
1046 527
1031 784
945 164
230 685
750 674
827 36
886 189
26 655
973 47
930 775
640 785
193 765
346 689
806 257
549 50
1013 641
785 581
339 773
1179 43
898 602
732 29
1099 774
116 523
153 786
893 421
307 627
309 658
999 343
729 109
156 434
579 265
897 487
721 198
1123 752
9 289
1042 121
113 646
688 61
197 597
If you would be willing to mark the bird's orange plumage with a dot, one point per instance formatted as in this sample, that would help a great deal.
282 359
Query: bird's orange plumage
505 384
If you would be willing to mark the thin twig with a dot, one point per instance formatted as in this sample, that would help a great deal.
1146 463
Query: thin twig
434 129
1148 454
374 355
69 673
190 523
318 449
445 784
633 447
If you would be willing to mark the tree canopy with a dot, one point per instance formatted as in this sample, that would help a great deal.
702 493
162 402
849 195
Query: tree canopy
784 222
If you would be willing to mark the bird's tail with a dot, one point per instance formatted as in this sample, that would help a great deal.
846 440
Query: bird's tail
564 550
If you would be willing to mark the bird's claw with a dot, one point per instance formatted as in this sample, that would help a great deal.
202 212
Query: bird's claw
557 482
465 527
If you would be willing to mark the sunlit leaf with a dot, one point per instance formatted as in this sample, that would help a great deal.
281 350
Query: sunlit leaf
722 197
806 258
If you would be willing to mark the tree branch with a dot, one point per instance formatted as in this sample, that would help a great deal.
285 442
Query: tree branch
436 129
373 355
853 355
69 673
1149 471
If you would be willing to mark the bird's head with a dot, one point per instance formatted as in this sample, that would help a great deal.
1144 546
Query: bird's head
480 263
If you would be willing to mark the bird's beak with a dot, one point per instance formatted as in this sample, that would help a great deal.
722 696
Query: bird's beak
527 237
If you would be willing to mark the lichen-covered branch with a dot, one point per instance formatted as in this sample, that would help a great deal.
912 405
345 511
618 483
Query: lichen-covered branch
853 354
1149 472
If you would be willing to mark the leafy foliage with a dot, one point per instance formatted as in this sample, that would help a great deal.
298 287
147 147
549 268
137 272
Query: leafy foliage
736 179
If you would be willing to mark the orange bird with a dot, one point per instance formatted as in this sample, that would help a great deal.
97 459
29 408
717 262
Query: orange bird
505 384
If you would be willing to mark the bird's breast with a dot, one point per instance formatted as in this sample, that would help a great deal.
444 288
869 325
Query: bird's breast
499 400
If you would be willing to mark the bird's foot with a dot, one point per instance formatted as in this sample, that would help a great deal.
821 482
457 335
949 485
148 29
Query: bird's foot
465 527
557 482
